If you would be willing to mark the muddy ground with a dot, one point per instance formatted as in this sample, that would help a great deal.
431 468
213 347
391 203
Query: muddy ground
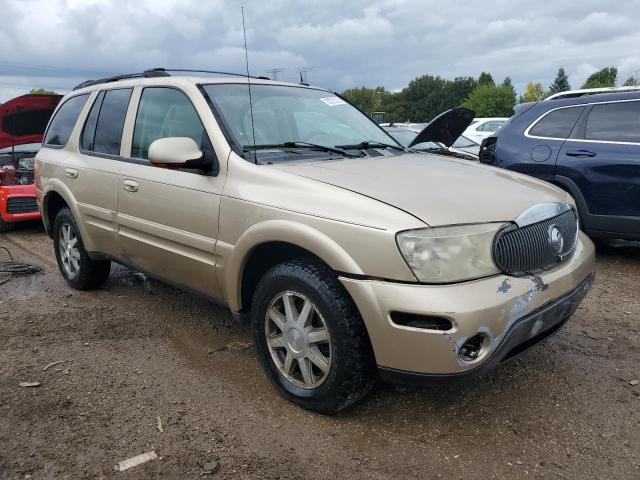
138 350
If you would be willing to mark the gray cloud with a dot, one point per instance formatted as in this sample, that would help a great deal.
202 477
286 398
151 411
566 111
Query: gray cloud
57 43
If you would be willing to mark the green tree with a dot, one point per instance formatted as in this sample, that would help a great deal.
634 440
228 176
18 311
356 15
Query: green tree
561 83
633 80
602 78
491 101
533 93
366 99
485 79
42 91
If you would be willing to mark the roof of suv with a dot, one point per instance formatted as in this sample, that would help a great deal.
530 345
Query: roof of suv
595 98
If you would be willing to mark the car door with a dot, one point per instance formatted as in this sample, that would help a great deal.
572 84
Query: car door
168 218
96 175
603 161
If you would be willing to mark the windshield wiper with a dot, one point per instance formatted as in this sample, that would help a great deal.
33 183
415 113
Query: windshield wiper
306 145
371 144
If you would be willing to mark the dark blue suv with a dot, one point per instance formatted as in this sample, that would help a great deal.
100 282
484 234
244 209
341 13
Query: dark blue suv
587 143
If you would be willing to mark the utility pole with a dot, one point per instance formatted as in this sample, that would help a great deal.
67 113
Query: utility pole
274 73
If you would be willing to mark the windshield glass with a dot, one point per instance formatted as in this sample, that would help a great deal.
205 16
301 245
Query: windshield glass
405 137
284 114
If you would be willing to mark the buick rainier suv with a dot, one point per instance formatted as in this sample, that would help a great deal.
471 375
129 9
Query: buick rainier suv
351 256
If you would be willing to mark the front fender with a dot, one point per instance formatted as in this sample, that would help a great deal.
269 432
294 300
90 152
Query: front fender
300 235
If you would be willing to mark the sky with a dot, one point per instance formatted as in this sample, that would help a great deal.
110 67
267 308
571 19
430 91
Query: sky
56 44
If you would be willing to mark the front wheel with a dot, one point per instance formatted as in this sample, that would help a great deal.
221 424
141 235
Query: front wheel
310 338
6 226
74 262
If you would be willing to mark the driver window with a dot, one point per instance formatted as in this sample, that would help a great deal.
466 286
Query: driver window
165 112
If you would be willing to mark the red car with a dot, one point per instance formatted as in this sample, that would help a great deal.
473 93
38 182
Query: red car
22 124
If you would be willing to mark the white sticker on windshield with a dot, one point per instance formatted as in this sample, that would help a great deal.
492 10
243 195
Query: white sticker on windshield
333 101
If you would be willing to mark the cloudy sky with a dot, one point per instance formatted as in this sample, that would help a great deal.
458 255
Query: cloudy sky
57 43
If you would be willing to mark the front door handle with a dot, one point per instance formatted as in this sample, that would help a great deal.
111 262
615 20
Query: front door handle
579 153
70 173
130 186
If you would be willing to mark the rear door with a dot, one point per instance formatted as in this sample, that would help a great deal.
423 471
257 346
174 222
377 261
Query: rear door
603 160
168 218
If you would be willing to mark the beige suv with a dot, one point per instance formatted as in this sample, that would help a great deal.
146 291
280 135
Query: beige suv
353 257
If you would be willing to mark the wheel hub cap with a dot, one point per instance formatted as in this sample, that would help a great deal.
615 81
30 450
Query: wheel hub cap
296 341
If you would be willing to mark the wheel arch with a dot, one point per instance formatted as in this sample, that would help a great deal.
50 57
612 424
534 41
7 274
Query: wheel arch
57 196
268 243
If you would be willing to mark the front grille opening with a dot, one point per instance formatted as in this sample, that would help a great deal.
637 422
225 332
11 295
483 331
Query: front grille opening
527 344
21 205
426 322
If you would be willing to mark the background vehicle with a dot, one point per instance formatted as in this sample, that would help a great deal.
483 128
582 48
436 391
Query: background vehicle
441 135
22 123
588 143
349 255
481 128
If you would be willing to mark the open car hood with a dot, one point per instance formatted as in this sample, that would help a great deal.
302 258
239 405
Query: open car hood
24 119
446 127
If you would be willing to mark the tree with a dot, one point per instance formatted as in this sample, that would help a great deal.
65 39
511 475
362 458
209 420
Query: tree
602 78
561 83
533 93
491 101
366 99
506 82
485 79
633 80
42 91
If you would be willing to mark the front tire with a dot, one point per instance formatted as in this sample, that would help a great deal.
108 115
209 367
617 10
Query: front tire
77 268
6 226
310 338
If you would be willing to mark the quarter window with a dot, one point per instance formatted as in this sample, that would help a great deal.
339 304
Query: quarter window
557 124
165 112
89 131
614 122
108 129
64 120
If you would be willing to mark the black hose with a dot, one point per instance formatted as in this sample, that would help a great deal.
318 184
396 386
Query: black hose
12 267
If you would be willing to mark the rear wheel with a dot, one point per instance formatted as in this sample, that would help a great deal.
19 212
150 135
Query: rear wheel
74 262
6 226
310 338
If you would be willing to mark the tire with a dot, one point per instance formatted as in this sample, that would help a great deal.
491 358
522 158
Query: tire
6 226
351 371
89 274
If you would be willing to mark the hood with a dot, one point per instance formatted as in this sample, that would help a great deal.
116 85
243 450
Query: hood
433 188
446 127
24 119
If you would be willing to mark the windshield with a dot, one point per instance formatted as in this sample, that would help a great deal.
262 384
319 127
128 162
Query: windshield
283 114
405 137
26 147
464 142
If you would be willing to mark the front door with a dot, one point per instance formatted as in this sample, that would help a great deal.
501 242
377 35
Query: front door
168 218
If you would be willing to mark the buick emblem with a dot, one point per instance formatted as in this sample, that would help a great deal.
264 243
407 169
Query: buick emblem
556 240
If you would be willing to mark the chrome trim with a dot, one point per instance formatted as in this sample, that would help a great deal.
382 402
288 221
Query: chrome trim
528 135
540 212
582 91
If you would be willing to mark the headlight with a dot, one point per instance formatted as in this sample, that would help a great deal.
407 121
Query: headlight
449 254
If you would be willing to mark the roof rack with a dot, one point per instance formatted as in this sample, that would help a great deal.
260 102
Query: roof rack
157 72
592 91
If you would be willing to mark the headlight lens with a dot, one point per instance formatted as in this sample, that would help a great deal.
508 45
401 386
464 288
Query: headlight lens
450 254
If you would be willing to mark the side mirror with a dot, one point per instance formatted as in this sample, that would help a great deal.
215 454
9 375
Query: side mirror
174 151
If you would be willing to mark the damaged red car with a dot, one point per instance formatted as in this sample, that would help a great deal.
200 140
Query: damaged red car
22 124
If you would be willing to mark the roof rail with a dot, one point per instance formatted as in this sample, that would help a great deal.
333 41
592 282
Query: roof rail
591 91
155 72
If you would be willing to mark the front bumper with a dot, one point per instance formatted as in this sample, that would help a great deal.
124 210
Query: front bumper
514 313
18 203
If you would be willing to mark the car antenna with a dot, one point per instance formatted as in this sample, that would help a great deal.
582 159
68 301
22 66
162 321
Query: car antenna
246 58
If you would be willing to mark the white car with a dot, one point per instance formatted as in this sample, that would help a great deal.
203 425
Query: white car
482 128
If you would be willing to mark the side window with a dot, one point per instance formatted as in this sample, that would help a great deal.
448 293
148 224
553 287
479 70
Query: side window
89 131
64 120
557 124
165 112
614 122
108 130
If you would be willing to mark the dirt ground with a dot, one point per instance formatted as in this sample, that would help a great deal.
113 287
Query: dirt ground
139 349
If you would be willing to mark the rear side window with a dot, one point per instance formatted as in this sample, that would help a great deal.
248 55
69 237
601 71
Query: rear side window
557 124
64 120
108 129
89 131
614 122
165 112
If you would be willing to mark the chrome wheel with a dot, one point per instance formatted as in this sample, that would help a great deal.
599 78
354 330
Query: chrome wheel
69 251
298 340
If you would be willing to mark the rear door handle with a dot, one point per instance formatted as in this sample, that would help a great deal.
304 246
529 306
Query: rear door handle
70 173
130 186
579 153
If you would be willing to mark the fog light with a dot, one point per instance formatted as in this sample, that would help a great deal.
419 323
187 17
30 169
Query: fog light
474 348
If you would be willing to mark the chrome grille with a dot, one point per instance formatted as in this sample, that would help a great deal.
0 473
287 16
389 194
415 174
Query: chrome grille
529 248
